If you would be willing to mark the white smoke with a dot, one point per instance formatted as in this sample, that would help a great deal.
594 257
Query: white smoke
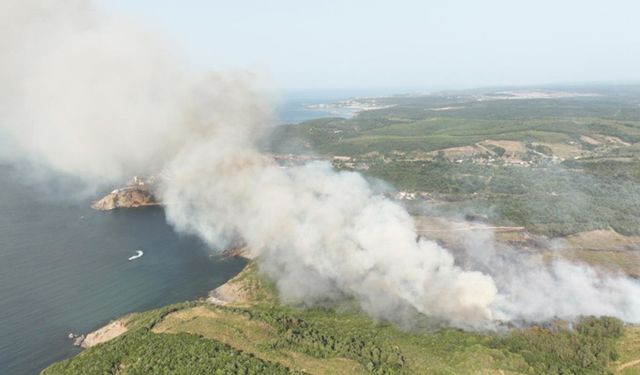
93 96
535 290
321 234
100 99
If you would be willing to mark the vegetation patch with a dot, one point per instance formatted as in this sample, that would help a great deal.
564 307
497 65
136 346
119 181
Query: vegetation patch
264 337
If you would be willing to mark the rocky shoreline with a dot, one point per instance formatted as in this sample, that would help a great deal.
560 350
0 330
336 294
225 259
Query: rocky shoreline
232 291
238 252
137 193
103 334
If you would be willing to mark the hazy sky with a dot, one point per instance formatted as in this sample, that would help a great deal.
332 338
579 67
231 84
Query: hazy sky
404 44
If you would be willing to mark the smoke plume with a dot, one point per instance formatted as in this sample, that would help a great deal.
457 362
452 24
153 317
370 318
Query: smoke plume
88 95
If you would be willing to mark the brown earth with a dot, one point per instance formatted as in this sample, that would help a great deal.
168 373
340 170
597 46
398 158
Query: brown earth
104 334
128 197
603 249
510 147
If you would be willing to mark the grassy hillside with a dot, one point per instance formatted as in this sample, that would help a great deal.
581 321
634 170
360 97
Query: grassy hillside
258 336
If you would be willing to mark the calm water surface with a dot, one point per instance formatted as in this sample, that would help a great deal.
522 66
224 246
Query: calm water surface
64 268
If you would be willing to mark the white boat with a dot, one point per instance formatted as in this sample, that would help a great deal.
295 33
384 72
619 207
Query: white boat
138 255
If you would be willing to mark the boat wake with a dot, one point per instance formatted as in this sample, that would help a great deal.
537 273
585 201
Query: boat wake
138 255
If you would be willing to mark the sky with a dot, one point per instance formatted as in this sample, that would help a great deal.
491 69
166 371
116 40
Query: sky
403 44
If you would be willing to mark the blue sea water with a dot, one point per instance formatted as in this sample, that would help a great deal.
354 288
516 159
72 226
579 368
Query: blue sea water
293 108
64 268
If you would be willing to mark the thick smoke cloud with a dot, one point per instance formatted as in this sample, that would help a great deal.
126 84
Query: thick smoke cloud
535 290
322 235
89 96
93 96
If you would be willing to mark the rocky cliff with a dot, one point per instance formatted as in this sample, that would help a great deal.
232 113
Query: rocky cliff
137 193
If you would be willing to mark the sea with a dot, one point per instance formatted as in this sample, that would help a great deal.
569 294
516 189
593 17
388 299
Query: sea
65 268
295 105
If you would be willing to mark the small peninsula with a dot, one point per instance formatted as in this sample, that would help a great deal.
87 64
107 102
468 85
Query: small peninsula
137 193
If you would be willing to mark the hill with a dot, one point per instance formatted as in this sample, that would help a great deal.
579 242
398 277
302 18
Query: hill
257 335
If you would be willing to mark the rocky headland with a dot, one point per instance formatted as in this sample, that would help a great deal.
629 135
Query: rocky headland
104 334
137 193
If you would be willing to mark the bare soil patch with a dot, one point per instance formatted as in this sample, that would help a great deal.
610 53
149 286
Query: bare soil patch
104 334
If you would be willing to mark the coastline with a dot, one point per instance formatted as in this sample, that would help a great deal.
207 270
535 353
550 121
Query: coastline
231 292
136 193
103 334
290 338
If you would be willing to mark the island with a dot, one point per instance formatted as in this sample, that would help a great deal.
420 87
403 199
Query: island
137 193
